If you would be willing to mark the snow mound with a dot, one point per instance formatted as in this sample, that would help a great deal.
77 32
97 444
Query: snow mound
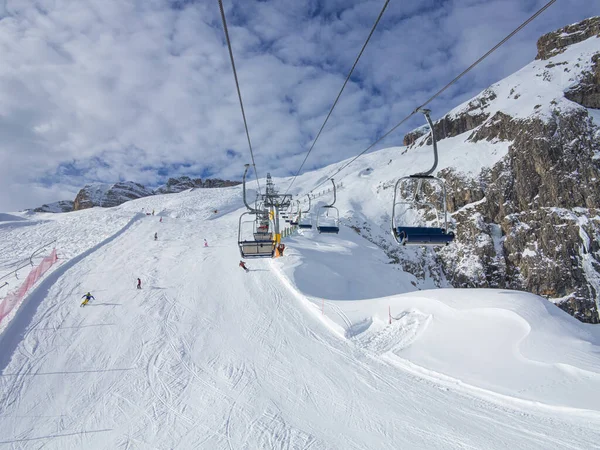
380 338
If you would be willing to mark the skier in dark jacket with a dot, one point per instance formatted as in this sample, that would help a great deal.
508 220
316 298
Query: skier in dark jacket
139 285
87 297
155 236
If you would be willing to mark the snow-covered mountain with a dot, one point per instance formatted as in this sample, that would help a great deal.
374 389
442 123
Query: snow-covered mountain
347 341
56 207
521 163
297 353
183 183
107 195
544 193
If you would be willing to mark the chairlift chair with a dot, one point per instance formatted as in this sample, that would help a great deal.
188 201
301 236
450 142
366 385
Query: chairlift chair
295 215
261 230
325 222
261 246
414 192
304 222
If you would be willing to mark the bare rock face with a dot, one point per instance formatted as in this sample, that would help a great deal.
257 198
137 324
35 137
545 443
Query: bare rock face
463 190
183 183
107 195
217 183
532 220
56 207
411 137
554 43
548 249
180 184
587 92
473 115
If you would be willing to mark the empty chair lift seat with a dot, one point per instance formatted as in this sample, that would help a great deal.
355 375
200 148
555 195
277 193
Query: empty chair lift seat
423 235
328 229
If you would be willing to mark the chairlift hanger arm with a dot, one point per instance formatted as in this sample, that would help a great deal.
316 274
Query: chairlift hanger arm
334 195
253 210
426 113
438 93
308 210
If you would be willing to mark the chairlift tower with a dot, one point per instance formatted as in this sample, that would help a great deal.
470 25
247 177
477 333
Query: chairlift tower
271 201
275 201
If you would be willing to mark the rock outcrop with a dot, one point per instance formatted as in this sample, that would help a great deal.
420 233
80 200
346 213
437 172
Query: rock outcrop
587 91
183 183
554 43
532 221
56 207
107 195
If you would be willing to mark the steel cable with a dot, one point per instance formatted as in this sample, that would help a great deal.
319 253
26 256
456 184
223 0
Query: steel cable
467 70
237 85
340 93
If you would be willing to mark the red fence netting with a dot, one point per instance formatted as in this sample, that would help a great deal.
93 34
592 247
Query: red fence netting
13 299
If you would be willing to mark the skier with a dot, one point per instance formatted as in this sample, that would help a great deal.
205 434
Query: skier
87 297
139 285
155 236
281 248
160 220
243 266
205 243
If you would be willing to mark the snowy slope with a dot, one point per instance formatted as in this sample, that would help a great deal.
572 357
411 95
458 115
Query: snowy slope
537 90
329 347
207 356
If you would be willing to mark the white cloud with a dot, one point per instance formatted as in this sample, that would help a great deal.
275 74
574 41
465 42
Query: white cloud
117 89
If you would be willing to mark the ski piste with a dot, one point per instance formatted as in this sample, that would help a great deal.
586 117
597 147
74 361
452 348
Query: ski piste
299 355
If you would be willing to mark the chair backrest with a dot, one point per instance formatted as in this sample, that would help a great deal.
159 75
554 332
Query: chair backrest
257 249
328 229
423 235
261 236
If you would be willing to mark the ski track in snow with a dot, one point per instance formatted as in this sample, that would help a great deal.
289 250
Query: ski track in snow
208 356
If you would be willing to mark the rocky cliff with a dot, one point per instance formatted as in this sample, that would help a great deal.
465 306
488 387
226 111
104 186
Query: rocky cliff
107 195
183 183
56 207
532 220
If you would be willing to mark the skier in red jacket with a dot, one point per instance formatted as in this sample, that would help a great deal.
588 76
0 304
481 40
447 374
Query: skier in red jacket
243 266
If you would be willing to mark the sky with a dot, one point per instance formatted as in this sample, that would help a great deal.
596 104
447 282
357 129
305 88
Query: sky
143 90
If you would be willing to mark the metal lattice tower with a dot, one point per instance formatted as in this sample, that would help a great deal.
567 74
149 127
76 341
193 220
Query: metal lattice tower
274 200
270 205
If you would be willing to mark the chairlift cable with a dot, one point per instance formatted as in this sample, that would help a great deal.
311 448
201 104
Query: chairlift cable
339 94
467 70
237 85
